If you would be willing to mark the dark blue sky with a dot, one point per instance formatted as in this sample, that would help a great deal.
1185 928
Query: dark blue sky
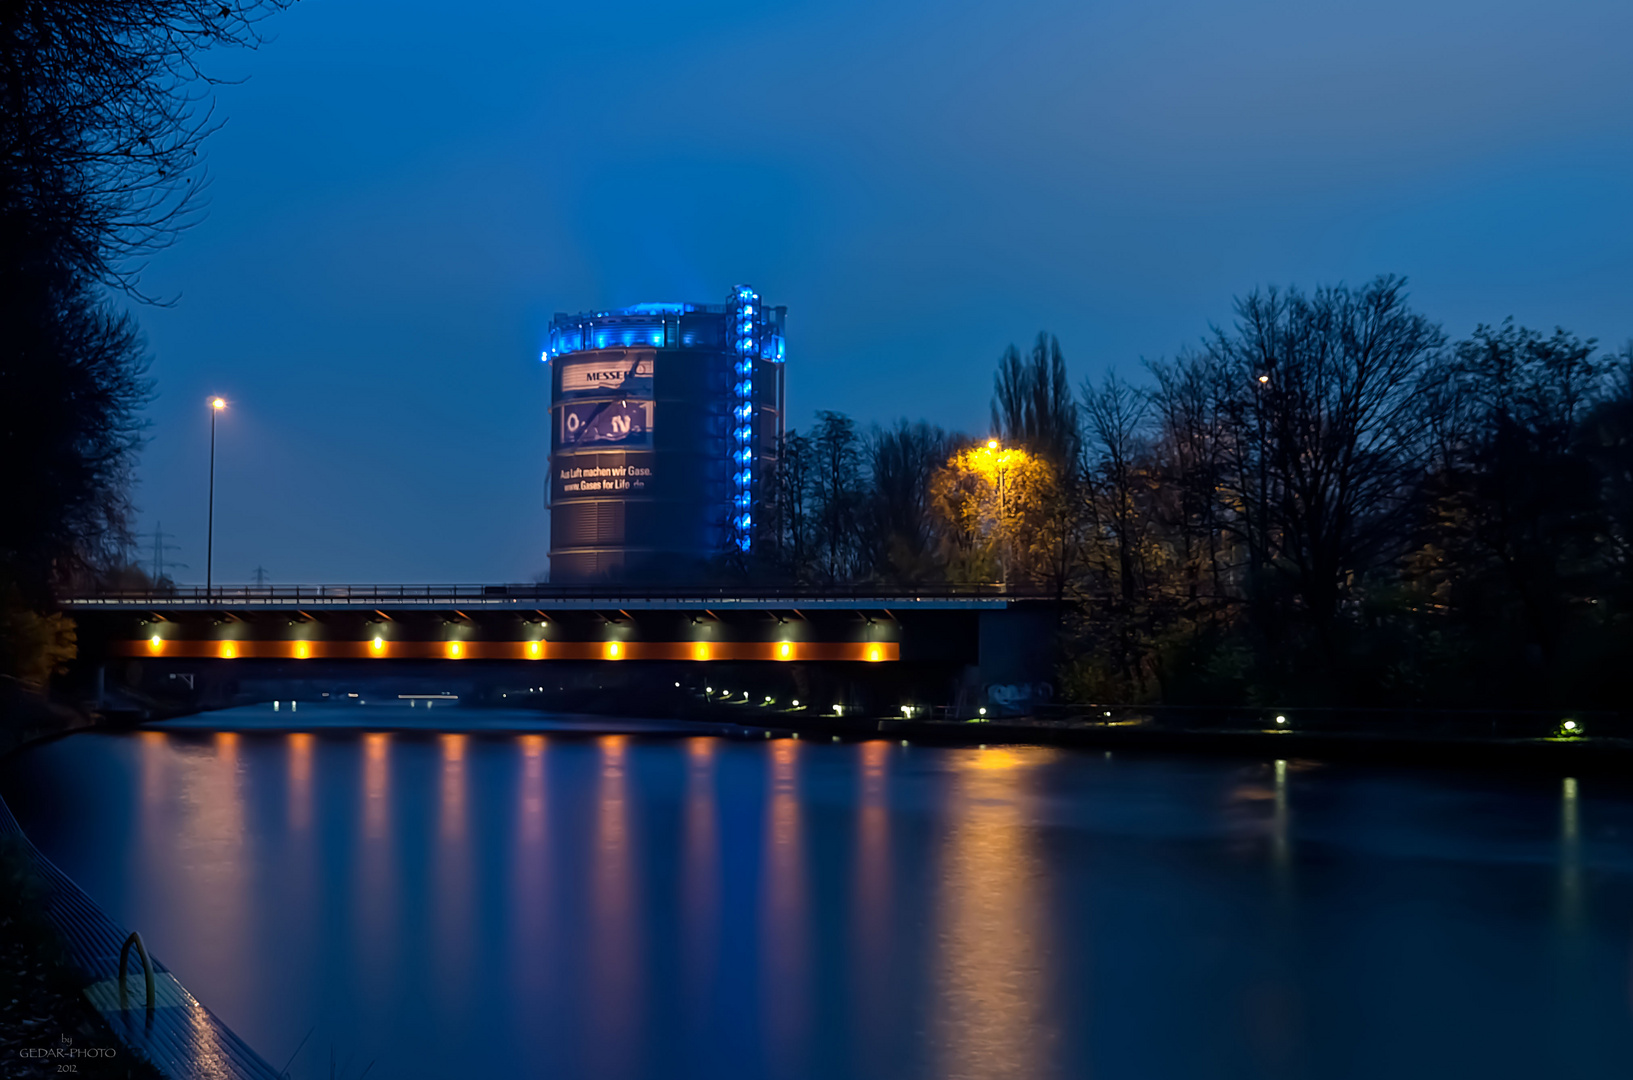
401 199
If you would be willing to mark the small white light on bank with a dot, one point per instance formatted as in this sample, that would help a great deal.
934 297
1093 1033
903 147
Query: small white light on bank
982 711
1280 719
839 710
708 689
904 742
796 703
1569 725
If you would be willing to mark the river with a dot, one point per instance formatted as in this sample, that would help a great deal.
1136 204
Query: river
528 898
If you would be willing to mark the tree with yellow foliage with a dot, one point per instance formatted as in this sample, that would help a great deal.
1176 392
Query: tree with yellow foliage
994 504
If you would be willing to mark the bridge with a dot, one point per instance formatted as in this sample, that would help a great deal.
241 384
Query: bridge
938 642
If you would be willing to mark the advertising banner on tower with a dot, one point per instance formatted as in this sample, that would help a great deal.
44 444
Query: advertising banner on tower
611 425
626 374
598 476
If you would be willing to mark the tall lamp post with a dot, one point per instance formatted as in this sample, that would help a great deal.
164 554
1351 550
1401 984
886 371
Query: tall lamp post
216 405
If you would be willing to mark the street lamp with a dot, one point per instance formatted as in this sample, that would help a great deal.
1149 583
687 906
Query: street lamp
216 405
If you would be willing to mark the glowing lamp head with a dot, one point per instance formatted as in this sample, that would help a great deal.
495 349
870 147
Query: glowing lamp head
796 703
1569 725
700 651
1280 719
615 650
302 650
378 644
992 444
785 650
534 649
875 653
1263 379
218 403
155 641
982 711
228 650
455 649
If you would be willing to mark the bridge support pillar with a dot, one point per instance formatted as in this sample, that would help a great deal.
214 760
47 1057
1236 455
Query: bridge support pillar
1019 654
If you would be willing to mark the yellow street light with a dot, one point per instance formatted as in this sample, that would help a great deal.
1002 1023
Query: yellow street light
992 444
216 405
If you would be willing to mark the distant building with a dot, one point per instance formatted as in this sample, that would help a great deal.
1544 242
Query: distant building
665 421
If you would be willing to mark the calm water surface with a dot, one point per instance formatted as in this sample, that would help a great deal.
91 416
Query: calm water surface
573 905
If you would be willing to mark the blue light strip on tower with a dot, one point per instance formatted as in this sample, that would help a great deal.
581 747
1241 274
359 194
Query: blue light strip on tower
745 327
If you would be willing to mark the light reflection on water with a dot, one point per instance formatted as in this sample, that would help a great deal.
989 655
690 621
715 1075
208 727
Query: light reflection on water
615 943
993 938
633 907
786 948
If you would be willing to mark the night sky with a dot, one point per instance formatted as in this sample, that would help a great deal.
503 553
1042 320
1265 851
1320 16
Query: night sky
399 201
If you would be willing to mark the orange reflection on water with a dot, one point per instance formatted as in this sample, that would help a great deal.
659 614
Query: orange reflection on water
870 946
376 784
453 787
154 755
532 802
455 911
300 781
784 923
614 945
211 831
376 891
992 930
700 876
530 915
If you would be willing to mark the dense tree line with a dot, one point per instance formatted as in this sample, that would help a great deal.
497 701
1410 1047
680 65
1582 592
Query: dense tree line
1326 501
102 114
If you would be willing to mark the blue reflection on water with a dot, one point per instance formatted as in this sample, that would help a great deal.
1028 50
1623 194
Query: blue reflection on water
572 904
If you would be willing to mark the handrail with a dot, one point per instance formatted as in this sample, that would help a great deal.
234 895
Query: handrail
607 591
147 968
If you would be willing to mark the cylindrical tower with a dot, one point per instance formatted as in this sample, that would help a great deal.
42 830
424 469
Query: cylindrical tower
664 425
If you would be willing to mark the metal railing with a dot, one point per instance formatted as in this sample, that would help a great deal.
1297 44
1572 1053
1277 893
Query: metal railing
147 969
506 593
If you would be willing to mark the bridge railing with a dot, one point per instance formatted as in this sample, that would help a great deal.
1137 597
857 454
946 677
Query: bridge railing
476 593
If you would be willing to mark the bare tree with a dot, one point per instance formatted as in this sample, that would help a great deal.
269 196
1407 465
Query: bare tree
1032 403
1327 440
836 494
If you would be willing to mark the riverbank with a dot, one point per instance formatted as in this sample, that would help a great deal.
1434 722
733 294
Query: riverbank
47 1028
27 716
1569 752
62 1010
